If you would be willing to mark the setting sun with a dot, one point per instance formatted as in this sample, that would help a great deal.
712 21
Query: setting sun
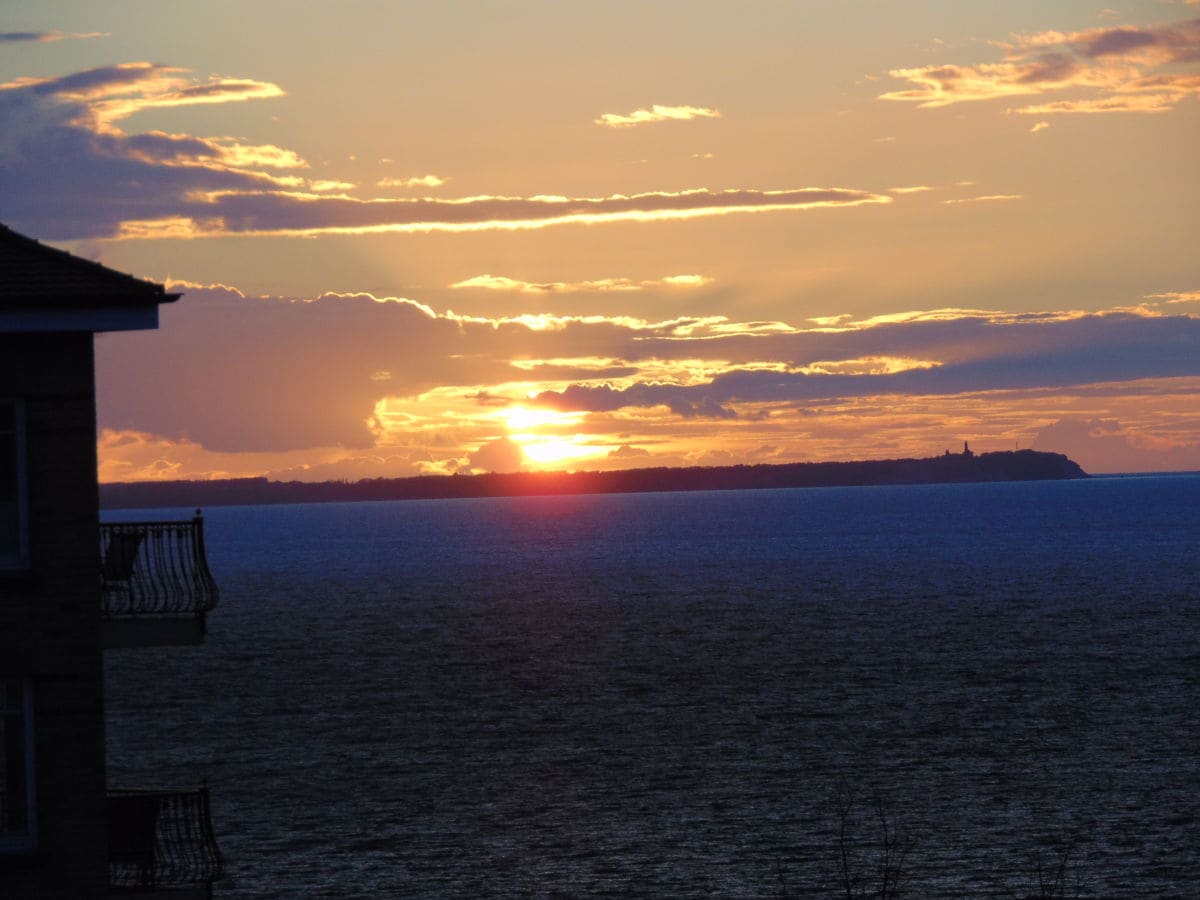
553 451
636 447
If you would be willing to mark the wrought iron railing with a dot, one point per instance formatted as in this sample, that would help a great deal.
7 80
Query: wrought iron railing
155 569
161 839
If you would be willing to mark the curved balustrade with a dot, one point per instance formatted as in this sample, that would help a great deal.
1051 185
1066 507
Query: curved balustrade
161 839
155 569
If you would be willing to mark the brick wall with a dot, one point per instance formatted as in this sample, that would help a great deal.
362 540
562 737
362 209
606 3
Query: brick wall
50 616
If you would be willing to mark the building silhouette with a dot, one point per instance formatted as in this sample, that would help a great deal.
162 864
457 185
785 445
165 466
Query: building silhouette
69 588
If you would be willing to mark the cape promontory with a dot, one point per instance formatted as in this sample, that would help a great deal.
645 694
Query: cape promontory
1015 465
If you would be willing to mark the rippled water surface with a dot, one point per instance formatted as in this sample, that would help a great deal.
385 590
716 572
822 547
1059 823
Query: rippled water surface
660 694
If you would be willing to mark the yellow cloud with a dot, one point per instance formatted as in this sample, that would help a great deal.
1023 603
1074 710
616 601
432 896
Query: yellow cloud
603 285
867 365
987 198
430 181
657 113
265 155
175 92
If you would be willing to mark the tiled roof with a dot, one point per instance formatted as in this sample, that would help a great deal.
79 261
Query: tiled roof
34 276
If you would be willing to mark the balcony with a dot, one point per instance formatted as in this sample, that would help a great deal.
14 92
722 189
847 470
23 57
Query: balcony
161 843
155 584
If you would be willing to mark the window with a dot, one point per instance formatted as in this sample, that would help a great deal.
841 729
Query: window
18 809
14 543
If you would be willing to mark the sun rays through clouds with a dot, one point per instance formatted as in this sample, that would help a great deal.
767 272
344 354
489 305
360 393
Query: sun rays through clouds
622 236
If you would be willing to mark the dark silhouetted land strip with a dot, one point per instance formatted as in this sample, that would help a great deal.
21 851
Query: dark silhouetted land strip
1020 465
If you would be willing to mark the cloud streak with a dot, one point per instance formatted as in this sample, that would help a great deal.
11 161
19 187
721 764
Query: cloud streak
1036 353
602 285
67 172
1115 64
115 92
657 113
429 181
47 37
260 212
985 198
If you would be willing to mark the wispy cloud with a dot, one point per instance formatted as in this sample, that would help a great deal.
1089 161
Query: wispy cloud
285 212
602 285
47 37
71 173
1147 103
118 91
70 170
429 181
1040 126
986 198
657 113
1114 63
1176 296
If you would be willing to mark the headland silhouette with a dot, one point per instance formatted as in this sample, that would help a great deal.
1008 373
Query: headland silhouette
1018 465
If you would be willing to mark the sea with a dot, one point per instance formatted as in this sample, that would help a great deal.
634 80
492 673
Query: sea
976 690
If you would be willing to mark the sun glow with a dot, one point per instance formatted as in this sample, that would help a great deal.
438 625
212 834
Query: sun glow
525 427
523 419
544 451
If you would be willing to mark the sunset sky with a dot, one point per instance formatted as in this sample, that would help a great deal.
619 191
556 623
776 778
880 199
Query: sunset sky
480 236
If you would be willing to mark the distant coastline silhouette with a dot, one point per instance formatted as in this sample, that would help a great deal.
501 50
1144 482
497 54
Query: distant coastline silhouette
950 468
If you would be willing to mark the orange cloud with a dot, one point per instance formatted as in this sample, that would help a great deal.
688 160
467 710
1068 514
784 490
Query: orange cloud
1105 445
393 379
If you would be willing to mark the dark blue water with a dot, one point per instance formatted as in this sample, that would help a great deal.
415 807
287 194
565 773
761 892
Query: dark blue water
660 694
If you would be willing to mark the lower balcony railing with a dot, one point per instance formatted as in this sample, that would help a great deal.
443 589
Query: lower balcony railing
156 587
160 840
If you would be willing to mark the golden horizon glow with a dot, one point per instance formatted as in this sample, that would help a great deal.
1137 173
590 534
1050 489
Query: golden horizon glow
553 452
974 293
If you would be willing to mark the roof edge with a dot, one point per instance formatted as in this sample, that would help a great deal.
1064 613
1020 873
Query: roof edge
114 288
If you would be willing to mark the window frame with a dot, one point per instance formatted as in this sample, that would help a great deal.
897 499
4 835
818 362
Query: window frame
18 561
24 840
